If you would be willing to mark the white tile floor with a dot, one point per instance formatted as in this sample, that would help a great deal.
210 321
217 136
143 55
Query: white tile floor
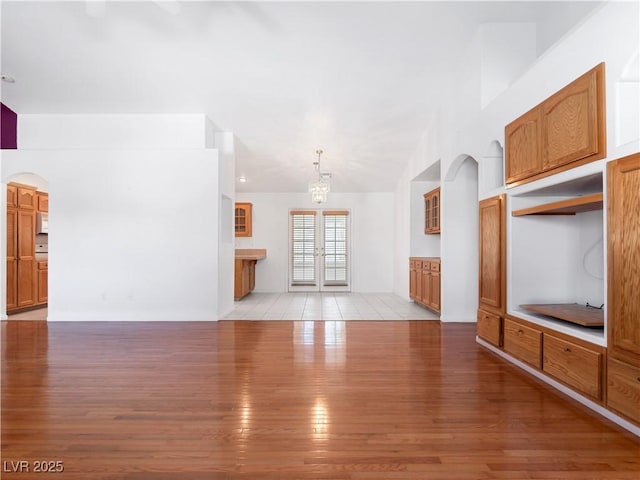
327 306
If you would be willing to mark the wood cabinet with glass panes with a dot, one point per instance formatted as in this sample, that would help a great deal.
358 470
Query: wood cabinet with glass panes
243 223
432 211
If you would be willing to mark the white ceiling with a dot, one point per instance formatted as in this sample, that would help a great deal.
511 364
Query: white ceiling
360 80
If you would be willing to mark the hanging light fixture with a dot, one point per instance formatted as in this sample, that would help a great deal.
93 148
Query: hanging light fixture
319 187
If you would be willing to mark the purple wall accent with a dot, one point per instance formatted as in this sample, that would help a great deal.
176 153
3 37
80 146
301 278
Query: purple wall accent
8 128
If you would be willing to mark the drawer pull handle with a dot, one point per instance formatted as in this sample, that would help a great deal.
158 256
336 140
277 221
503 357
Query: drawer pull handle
567 349
520 332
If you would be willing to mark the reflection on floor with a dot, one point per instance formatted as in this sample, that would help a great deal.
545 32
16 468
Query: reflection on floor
38 314
327 306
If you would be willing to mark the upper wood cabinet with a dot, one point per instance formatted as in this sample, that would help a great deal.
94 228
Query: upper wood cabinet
565 131
492 253
432 211
243 219
623 251
12 195
27 198
43 202
523 146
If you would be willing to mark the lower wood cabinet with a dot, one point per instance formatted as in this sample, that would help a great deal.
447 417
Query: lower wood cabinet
489 327
623 389
523 342
424 282
245 278
574 365
43 282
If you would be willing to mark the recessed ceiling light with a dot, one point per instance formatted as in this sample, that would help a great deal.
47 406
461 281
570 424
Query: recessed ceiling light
242 179
7 78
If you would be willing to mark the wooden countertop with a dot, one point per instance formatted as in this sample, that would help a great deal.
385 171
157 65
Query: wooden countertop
250 253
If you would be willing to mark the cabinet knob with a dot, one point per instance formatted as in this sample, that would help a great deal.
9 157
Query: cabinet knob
567 349
520 332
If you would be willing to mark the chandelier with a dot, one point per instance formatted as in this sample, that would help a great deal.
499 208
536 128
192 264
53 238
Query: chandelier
320 186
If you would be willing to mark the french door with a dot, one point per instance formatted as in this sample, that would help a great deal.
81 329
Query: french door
319 258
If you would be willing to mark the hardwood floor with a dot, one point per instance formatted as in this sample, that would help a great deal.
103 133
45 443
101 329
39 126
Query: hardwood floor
289 400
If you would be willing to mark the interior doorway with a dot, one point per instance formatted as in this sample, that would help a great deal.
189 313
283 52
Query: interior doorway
27 252
319 256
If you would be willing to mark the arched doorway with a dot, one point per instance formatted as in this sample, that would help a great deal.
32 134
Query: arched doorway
460 240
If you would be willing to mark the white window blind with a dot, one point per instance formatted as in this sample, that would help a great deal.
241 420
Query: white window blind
335 247
303 248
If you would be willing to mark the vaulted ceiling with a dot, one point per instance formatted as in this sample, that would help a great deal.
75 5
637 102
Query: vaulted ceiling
359 79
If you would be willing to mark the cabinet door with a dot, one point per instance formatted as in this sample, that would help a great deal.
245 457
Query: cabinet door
12 258
427 213
43 202
523 156
426 283
435 211
623 214
413 280
573 125
489 327
43 285
623 389
492 243
434 293
243 219
26 258
12 196
27 198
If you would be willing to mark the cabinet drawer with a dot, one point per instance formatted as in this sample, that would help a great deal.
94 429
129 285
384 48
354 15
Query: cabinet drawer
435 266
522 342
43 265
623 389
489 327
577 366
417 264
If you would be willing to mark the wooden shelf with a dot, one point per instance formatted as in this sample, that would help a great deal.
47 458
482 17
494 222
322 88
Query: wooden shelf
570 312
572 206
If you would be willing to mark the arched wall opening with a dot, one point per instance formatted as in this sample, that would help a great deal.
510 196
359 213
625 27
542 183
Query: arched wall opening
460 240
24 257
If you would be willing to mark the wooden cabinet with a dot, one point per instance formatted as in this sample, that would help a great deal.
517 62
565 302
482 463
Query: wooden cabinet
12 195
492 254
413 278
42 202
12 258
523 342
243 219
489 327
43 282
523 146
623 389
432 211
27 198
574 365
245 278
564 131
424 281
623 309
21 234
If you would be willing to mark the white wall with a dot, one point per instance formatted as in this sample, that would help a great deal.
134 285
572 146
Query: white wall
372 237
132 234
38 131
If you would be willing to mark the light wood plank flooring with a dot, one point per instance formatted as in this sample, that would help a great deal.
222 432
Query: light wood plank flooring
290 401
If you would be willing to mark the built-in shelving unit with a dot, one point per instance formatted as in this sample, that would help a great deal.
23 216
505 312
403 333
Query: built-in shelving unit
556 254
